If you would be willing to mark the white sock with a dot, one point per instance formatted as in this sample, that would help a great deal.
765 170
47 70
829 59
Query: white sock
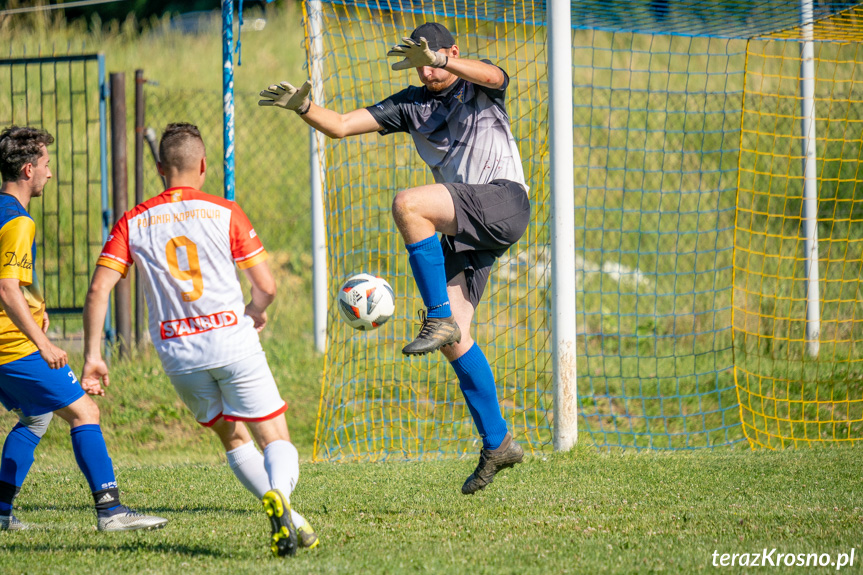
297 519
283 466
247 463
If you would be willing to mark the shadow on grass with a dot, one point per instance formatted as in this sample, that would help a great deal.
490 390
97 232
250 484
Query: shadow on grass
26 507
132 547
64 508
213 509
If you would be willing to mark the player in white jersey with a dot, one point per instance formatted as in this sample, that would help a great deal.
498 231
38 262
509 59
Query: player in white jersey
186 243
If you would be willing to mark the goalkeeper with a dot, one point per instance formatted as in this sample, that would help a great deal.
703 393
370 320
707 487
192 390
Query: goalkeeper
479 204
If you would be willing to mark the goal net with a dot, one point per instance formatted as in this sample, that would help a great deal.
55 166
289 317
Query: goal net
788 394
688 220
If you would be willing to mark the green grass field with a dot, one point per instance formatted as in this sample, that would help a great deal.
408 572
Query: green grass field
581 512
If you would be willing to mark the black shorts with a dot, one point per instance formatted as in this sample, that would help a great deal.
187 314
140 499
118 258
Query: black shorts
490 218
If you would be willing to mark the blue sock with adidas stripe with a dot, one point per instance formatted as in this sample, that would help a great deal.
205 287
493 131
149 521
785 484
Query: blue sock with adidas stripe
427 264
476 381
16 460
91 453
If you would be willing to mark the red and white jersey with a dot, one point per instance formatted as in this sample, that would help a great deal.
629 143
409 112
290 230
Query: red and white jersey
186 243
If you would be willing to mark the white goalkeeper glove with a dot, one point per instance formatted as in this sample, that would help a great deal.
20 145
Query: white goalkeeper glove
417 55
286 96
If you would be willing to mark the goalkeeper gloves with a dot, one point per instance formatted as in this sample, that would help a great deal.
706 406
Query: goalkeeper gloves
286 96
417 55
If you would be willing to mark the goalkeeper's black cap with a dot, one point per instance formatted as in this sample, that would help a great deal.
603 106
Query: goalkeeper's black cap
435 34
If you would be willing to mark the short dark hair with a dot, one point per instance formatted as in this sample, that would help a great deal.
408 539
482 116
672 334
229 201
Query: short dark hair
181 146
20 146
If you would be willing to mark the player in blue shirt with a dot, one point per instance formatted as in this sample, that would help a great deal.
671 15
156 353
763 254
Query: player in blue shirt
35 380
479 205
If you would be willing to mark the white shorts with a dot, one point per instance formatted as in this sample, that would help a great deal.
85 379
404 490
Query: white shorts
242 391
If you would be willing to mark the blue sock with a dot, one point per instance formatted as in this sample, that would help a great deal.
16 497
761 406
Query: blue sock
15 463
480 393
426 259
92 457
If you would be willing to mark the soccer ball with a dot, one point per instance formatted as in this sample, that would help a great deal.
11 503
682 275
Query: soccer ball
366 302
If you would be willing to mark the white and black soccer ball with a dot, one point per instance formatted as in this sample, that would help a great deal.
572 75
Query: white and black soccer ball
366 302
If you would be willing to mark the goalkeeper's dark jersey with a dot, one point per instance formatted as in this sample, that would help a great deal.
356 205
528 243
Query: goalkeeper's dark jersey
462 133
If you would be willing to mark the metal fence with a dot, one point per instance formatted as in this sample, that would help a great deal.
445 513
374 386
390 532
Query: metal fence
66 96
272 159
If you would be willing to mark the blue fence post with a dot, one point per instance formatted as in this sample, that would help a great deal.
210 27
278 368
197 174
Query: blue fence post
228 94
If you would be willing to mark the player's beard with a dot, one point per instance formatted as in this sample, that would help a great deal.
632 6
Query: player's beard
37 190
433 84
437 85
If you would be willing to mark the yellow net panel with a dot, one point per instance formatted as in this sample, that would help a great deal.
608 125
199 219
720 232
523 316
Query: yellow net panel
789 396
375 403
